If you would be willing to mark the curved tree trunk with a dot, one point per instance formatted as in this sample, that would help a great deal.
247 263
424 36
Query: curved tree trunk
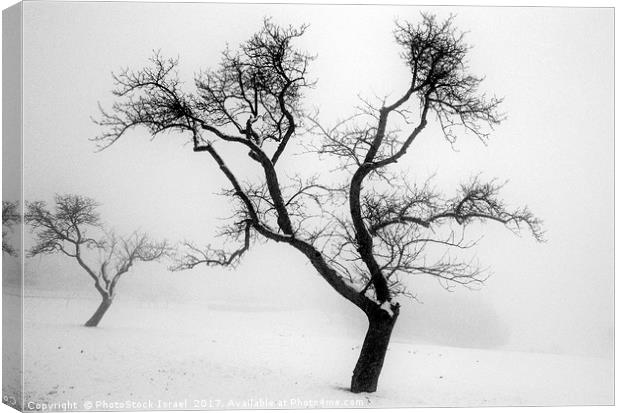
370 362
106 302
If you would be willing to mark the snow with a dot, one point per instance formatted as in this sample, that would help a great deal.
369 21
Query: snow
218 355
387 307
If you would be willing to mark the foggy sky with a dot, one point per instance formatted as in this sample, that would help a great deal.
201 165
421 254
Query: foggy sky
552 66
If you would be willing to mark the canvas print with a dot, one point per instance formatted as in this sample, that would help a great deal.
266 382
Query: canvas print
286 206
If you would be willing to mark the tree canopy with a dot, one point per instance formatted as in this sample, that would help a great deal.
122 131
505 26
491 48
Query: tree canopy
10 217
73 227
362 235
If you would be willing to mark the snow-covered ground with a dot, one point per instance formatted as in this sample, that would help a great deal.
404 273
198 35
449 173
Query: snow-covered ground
219 355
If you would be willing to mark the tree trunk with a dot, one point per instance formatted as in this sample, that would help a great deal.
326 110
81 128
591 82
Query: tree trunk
106 302
369 365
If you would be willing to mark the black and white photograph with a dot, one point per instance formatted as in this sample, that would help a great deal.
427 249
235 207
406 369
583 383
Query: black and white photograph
238 206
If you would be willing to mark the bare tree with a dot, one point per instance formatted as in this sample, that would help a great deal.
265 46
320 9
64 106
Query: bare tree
10 217
365 234
72 228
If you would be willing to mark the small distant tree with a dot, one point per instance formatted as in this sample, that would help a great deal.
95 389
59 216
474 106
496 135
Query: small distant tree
365 235
10 217
73 228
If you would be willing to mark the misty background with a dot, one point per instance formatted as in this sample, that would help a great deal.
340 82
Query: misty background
554 66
